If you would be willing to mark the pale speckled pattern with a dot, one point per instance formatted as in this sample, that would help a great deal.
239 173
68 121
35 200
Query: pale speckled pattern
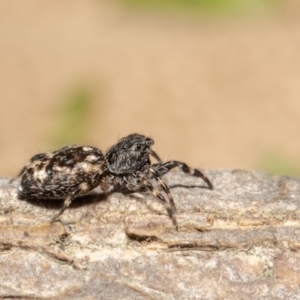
239 241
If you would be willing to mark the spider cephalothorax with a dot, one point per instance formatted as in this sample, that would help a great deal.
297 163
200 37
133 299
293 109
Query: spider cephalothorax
75 170
129 154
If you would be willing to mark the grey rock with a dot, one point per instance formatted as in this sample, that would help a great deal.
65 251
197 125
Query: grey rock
238 241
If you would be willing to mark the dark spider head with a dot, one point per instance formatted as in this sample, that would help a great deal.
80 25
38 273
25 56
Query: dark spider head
129 154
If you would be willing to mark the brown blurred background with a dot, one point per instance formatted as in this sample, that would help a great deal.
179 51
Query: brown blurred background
215 83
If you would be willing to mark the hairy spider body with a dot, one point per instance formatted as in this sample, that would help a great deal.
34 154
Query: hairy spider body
75 170
58 174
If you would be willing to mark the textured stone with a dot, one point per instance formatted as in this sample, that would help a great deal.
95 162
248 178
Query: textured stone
239 241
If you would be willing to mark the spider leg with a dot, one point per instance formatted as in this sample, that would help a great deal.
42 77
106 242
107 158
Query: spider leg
164 187
160 197
24 169
154 154
66 204
82 189
162 169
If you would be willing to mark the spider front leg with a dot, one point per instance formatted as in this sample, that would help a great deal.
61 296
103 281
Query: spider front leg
154 154
160 197
162 169
164 187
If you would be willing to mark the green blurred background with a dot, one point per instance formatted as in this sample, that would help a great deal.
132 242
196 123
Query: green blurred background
215 83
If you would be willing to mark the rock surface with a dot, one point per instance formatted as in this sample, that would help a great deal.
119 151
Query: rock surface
238 241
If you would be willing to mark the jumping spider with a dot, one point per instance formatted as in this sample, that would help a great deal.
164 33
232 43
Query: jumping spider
75 170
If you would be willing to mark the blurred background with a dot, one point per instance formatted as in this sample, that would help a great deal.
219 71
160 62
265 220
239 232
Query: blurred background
216 83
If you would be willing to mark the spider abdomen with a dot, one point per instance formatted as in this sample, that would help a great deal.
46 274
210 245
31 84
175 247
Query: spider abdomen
59 174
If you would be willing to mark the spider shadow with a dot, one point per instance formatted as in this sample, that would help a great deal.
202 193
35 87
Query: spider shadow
131 193
194 186
94 197
55 204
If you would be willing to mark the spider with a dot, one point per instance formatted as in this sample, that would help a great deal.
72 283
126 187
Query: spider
75 170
